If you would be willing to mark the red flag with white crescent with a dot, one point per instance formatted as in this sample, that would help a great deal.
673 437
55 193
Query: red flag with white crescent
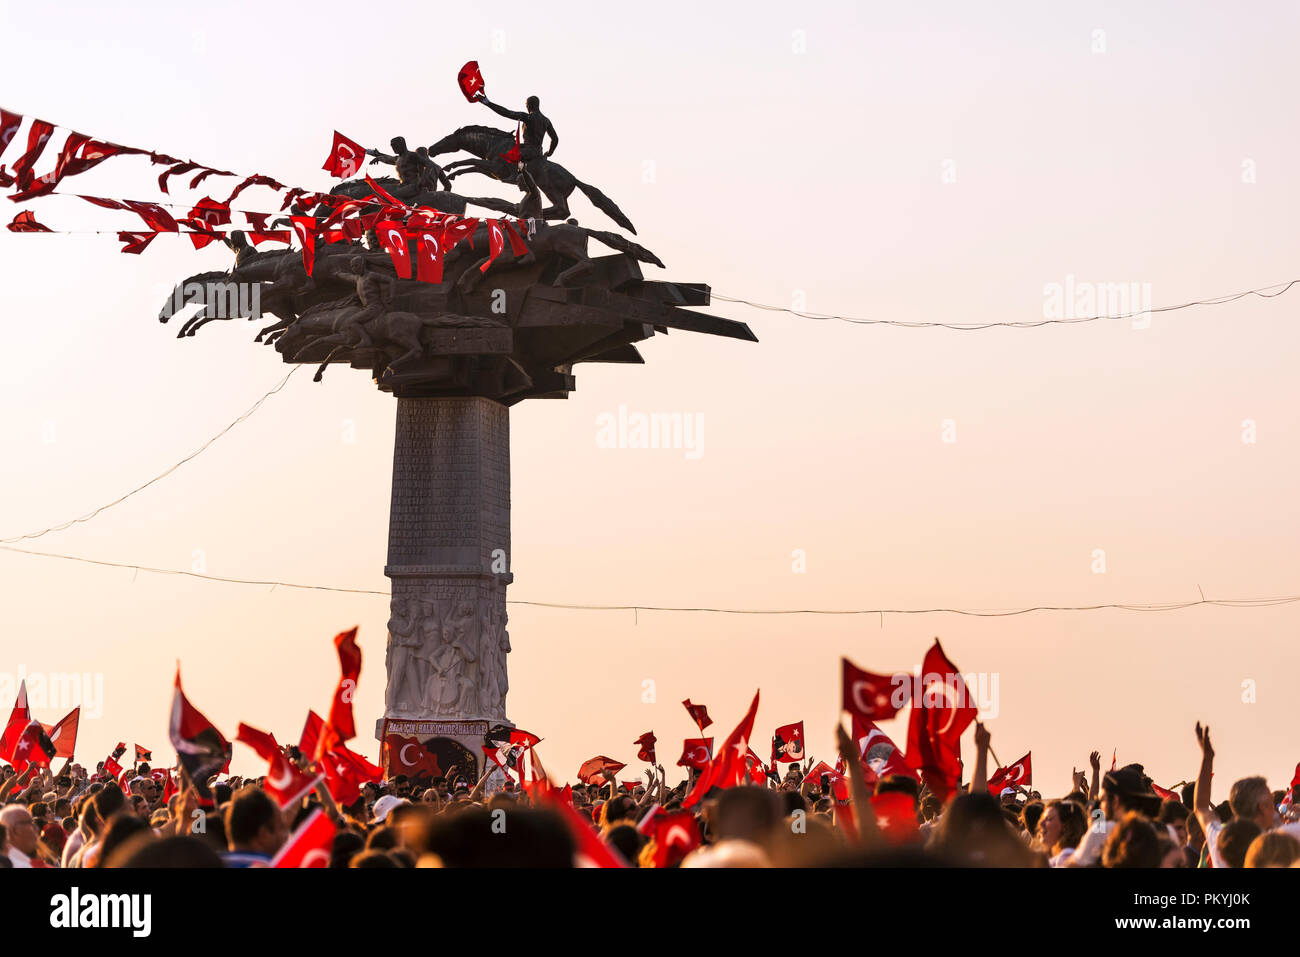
696 753
838 785
937 721
346 157
283 781
428 253
1014 775
393 240
345 772
135 243
457 229
310 845
871 696
305 229
675 836
9 123
37 137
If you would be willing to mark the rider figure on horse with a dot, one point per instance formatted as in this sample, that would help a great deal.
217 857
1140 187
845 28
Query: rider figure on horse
536 128
415 170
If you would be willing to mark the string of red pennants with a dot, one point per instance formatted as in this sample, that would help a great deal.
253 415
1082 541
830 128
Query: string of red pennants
398 226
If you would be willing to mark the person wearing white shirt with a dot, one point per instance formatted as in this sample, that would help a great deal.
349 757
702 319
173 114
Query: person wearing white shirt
1250 800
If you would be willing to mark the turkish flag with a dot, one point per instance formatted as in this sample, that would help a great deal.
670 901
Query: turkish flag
37 137
839 786
517 245
340 719
675 836
384 194
728 769
1164 792
208 213
591 770
936 724
155 217
112 768
170 788
32 747
311 730
699 714
454 230
346 157
496 243
406 755
758 772
283 781
64 733
591 851
1015 774
119 750
142 754
200 747
305 228
9 123
345 772
45 184
310 845
787 743
880 757
870 695
91 154
25 222
646 745
171 171
470 80
286 784
135 243
392 238
256 180
512 155
696 753
896 816
428 253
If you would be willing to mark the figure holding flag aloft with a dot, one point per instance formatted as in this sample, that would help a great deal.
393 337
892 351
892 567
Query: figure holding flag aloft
535 124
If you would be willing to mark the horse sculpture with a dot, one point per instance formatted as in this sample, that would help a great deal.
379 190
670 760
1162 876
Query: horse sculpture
488 146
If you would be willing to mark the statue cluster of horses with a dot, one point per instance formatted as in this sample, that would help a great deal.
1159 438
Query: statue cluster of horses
488 325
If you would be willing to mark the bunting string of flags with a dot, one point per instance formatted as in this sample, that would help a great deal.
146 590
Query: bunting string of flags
315 217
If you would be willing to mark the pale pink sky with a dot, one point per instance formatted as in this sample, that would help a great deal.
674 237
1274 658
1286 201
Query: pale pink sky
776 172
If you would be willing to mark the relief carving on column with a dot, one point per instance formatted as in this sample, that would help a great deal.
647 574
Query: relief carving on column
446 654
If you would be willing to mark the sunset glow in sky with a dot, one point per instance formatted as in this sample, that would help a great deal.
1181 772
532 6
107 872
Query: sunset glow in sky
880 161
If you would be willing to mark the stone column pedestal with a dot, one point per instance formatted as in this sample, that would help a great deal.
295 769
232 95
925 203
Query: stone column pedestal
448 560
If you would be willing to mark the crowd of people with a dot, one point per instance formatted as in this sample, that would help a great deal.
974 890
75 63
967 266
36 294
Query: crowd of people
72 818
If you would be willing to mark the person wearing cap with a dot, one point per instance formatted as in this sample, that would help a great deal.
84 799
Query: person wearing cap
1127 789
